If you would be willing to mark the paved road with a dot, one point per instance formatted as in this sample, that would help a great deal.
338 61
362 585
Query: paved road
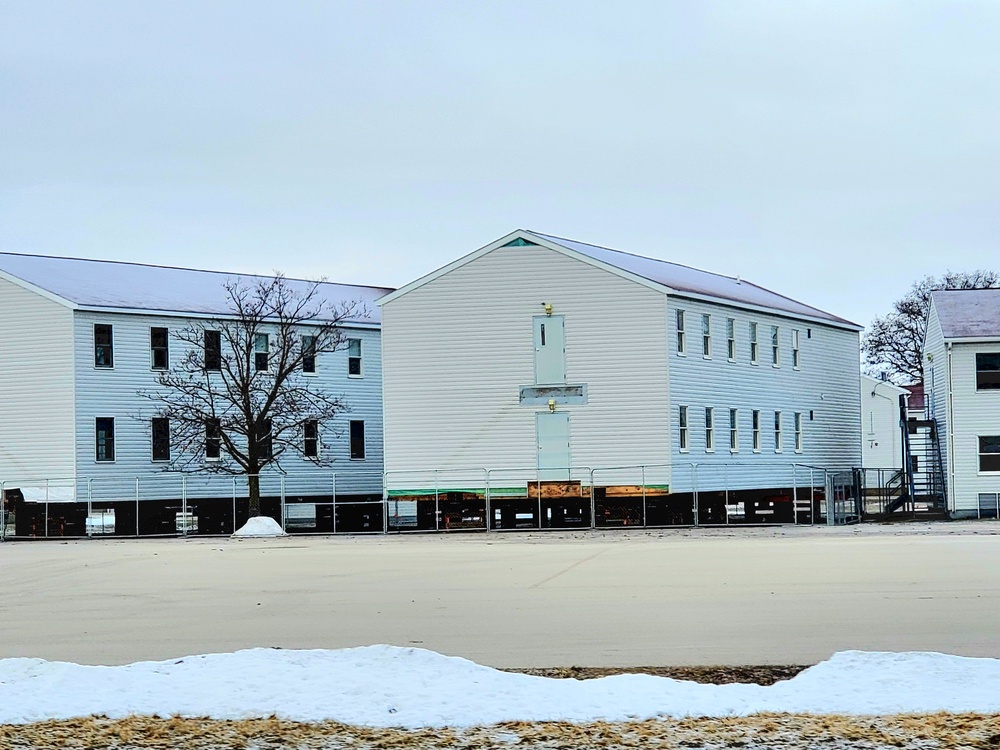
615 599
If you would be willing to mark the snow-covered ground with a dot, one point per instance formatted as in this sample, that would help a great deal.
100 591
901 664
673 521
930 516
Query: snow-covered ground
406 687
259 526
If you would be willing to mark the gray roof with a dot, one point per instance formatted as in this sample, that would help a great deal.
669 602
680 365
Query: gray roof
968 313
135 287
694 281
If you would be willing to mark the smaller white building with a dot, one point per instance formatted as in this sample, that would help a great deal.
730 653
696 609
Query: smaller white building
882 441
962 386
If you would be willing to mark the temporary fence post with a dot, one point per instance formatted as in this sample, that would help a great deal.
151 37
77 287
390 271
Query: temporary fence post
725 481
437 504
46 508
3 513
812 496
234 505
593 503
281 490
137 506
486 473
538 522
333 499
385 511
184 506
643 470
90 509
795 497
694 487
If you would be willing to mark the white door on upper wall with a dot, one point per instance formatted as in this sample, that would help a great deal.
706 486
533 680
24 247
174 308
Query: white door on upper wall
552 434
550 349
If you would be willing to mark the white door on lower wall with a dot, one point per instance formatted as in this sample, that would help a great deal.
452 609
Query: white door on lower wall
552 434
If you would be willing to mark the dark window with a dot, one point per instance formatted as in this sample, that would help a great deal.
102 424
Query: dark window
213 350
260 352
989 453
158 348
264 446
987 372
354 357
357 438
310 442
308 354
105 438
103 347
213 439
161 439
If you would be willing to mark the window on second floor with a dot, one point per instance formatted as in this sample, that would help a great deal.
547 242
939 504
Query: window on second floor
987 371
159 351
681 342
731 338
309 354
213 350
160 428
795 349
354 364
706 335
104 355
775 347
754 350
261 348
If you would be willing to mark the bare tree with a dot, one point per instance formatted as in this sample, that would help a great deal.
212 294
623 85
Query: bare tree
893 344
239 399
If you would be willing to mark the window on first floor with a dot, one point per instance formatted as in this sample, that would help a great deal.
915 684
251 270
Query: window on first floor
797 423
265 446
777 432
987 371
755 424
989 453
105 438
357 433
104 355
310 439
734 430
161 438
709 428
213 440
682 427
159 350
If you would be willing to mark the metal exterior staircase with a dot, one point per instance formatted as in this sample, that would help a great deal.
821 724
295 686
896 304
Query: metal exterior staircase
922 486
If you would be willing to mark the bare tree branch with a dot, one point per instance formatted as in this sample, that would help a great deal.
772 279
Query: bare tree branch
252 415
893 344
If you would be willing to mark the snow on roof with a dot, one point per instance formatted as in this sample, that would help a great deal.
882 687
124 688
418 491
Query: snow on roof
968 313
135 286
386 686
694 281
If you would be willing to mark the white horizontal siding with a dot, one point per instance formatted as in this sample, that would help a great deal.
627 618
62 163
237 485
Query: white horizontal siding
114 393
974 414
881 446
827 383
36 386
457 349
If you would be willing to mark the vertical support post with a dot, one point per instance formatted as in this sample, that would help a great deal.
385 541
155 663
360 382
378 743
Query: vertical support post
437 504
725 480
137 507
184 506
333 498
538 480
694 487
643 468
812 496
234 505
489 517
593 503
88 525
281 490
795 497
46 508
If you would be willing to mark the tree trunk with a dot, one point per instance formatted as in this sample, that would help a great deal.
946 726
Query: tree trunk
253 480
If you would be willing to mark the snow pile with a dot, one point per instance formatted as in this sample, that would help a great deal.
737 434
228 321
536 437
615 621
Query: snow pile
389 686
259 526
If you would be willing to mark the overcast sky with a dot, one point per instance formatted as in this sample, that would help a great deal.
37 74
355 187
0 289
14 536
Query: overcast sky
831 151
